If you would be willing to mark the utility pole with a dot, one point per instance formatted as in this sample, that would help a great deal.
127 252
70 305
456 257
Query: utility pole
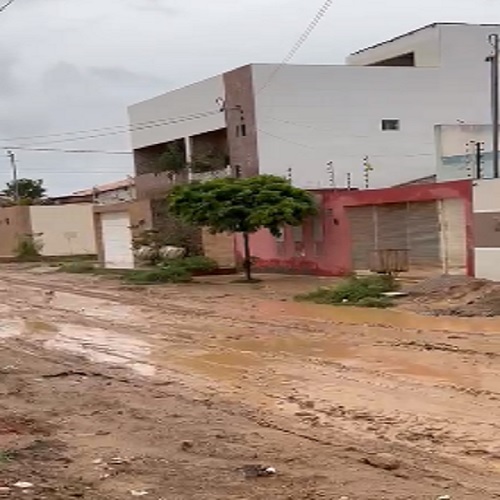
479 146
13 164
494 40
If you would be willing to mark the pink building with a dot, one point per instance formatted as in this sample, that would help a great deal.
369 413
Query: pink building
432 222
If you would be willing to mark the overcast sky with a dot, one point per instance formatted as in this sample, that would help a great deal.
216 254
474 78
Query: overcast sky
70 65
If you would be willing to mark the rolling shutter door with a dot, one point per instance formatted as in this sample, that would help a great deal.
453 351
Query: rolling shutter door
392 226
424 235
361 221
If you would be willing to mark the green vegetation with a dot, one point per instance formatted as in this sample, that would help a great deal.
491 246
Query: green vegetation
28 249
173 271
25 191
194 264
168 274
365 291
242 206
6 456
77 267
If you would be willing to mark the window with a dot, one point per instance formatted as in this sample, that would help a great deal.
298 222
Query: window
241 130
391 125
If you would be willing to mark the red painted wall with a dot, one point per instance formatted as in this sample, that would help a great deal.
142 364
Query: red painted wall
332 257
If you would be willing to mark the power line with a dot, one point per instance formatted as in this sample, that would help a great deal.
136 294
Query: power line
114 130
300 42
74 151
316 148
5 6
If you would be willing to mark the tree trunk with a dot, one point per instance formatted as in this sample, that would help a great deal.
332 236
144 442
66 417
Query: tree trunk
247 262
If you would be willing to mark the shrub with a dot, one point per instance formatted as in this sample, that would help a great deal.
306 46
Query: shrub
28 249
194 264
6 456
169 274
77 267
363 291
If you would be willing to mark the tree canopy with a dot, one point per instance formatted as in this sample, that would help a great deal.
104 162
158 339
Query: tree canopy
242 206
27 189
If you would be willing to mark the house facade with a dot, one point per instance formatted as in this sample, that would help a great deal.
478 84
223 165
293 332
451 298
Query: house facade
325 126
432 224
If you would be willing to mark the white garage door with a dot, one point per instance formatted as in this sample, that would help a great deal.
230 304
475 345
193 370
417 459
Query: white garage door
117 241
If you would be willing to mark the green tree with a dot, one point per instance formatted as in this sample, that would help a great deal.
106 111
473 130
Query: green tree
27 190
242 206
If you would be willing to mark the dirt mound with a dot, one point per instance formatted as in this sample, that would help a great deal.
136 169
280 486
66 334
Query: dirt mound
456 296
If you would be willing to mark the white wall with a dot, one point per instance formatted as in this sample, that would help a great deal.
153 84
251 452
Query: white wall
423 43
456 151
64 229
486 196
310 115
197 98
486 200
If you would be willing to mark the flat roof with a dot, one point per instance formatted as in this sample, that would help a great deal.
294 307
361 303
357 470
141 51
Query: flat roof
426 27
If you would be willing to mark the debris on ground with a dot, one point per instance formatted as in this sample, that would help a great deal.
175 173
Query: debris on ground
384 461
187 445
455 295
253 471
23 485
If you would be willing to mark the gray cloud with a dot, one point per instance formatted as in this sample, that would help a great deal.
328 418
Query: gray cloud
75 65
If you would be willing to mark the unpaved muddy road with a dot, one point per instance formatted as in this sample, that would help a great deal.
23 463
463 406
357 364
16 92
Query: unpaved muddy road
167 392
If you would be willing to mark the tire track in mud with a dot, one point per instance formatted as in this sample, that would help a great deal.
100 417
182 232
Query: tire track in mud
364 423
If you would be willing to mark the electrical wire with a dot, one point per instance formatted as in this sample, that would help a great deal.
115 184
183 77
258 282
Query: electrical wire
112 130
5 6
300 42
313 148
75 151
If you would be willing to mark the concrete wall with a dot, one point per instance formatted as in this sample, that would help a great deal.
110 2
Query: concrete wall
323 246
219 247
456 152
65 229
14 225
147 117
486 206
311 115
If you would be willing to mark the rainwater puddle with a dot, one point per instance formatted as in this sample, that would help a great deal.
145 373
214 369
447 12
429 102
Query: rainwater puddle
349 354
93 307
379 317
99 346
11 328
227 365
297 346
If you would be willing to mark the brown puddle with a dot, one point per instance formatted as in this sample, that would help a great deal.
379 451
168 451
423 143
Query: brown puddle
379 317
227 365
297 346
